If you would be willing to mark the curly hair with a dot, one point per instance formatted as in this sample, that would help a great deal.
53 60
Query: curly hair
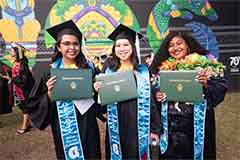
162 54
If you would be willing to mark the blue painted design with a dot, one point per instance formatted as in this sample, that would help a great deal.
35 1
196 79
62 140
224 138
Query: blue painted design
205 36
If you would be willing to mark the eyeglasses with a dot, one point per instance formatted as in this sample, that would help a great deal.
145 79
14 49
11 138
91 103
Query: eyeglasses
68 44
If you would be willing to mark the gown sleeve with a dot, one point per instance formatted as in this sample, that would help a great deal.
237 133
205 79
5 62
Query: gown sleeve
155 119
216 90
39 106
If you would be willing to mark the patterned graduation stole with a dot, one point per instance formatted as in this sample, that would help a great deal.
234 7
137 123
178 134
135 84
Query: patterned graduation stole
199 129
164 136
69 126
143 117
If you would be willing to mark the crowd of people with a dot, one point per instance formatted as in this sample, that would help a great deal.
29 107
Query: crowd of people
133 124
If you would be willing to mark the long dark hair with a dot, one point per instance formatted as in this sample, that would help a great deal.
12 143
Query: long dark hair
81 61
162 53
22 59
115 61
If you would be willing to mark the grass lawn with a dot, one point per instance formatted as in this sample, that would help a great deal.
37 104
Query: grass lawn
38 145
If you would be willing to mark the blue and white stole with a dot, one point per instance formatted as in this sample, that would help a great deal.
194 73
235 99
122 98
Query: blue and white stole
143 117
68 125
199 128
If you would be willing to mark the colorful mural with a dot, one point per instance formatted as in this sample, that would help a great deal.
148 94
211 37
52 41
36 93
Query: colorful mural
164 10
95 18
18 24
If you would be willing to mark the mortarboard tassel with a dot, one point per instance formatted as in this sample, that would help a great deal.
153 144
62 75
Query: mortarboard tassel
137 44
84 47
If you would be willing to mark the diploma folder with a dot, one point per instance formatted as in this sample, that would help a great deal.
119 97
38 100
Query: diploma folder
117 87
181 86
72 84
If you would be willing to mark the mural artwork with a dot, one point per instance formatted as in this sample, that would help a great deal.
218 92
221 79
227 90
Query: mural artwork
95 18
18 24
164 10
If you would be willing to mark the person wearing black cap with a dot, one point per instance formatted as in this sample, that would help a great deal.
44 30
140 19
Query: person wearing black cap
130 140
22 81
83 141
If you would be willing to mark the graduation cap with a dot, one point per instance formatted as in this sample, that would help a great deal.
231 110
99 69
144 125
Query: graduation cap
124 32
60 29
57 30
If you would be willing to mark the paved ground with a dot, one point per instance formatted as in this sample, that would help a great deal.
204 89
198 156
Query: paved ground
37 145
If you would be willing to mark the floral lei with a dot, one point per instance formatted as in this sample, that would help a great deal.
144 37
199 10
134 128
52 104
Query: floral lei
192 61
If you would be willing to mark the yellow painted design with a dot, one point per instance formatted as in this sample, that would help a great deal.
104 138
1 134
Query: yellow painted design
31 3
175 13
93 16
73 10
18 5
92 2
30 30
54 19
154 26
203 11
112 11
128 20
3 3
11 33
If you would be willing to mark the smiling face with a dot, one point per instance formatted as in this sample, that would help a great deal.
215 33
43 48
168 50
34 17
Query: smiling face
13 52
70 47
123 49
178 47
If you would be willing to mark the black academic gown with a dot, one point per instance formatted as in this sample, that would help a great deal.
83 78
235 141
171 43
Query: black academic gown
5 106
43 112
127 120
180 125
24 81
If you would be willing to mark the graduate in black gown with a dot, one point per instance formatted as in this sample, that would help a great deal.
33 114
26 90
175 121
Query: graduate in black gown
5 106
22 80
181 114
124 57
43 111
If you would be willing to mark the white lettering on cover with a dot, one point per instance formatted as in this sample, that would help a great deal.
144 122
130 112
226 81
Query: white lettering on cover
115 82
72 78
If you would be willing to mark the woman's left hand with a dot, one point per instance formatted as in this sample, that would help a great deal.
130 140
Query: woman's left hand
204 75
